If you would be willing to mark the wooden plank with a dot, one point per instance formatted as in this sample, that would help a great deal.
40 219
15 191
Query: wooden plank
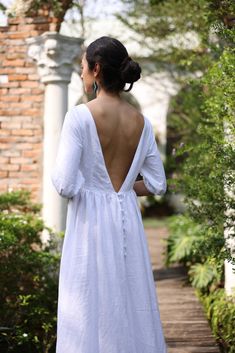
193 349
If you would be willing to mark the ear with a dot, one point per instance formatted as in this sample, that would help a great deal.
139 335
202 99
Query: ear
96 69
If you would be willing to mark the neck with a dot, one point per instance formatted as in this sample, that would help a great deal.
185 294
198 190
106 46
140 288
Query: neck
102 94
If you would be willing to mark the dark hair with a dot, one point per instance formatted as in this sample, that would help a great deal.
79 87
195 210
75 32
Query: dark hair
117 67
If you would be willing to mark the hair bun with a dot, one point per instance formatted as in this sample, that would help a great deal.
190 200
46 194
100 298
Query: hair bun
130 70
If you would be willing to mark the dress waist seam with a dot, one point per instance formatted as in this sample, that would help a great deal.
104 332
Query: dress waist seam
110 192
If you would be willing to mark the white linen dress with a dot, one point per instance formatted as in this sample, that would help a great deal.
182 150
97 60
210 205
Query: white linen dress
107 298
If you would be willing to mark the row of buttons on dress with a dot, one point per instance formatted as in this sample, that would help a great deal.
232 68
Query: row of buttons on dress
121 197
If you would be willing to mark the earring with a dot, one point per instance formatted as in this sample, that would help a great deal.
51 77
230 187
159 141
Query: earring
95 87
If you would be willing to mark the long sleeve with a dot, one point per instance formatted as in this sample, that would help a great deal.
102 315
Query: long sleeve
152 170
66 176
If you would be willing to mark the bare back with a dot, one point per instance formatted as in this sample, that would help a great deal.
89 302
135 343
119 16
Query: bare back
119 127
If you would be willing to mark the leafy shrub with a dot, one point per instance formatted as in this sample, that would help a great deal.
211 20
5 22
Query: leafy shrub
184 234
220 311
208 157
205 175
185 244
28 277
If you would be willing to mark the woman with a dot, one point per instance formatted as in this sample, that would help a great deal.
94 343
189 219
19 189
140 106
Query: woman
107 299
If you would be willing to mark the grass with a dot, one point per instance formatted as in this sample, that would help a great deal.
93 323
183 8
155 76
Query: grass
155 222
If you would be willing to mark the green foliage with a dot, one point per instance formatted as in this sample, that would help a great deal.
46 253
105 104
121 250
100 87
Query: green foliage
209 157
203 274
220 310
184 234
182 109
167 28
28 277
202 118
187 244
205 145
56 7
2 7
20 200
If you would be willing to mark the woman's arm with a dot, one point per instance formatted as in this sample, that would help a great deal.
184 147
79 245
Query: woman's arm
152 171
66 175
140 189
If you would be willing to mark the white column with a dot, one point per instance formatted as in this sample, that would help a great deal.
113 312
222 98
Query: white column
228 267
229 214
56 57
56 102
229 278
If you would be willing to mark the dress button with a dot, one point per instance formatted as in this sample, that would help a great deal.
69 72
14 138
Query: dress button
120 198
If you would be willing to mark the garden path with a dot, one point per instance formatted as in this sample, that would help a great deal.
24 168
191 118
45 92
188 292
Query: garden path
185 325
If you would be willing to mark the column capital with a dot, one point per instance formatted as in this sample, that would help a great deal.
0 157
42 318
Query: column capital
56 56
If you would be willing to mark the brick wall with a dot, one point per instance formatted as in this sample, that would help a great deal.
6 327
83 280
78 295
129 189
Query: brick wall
21 106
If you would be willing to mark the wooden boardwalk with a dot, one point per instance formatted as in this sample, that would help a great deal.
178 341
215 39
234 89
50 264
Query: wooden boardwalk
185 326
